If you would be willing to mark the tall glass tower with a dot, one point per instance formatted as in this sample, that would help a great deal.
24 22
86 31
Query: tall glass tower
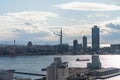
84 42
95 38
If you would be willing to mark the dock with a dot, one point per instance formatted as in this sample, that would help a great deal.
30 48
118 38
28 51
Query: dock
106 73
108 76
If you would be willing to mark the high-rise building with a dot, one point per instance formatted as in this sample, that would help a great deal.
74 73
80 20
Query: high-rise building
29 44
95 38
84 43
75 45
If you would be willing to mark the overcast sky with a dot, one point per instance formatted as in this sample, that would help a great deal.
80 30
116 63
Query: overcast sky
37 20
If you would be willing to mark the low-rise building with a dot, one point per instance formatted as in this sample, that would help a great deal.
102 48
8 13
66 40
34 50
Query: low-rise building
58 70
95 64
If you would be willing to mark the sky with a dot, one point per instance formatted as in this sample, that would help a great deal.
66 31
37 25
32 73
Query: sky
38 20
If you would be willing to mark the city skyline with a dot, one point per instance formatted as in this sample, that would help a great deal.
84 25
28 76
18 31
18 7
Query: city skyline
36 21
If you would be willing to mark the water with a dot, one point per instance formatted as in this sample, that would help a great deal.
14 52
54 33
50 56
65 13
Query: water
34 64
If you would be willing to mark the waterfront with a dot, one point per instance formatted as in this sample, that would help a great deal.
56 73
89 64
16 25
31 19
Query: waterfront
34 64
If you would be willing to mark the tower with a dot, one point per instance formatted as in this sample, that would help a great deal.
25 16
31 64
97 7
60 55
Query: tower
84 43
95 38
60 46
13 51
14 43
29 44
75 45
61 36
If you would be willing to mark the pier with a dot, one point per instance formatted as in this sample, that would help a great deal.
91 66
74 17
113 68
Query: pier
105 73
27 73
108 76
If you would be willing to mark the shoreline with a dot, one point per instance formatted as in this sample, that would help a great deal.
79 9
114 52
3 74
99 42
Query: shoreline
51 55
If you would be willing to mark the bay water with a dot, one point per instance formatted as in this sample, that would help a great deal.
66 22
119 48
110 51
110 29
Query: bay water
34 64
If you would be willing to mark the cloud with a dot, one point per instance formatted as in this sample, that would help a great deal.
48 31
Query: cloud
88 6
111 31
36 26
112 38
113 26
29 15
99 15
25 26
27 23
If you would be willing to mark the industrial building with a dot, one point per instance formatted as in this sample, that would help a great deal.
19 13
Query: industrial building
58 70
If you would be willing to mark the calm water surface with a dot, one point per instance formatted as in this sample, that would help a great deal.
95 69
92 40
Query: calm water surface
34 64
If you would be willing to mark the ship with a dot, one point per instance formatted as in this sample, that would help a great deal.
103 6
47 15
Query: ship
82 59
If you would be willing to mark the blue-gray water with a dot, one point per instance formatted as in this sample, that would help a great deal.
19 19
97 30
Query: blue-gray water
34 64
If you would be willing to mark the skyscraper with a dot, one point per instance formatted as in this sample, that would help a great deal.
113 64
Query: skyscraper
75 45
95 38
84 43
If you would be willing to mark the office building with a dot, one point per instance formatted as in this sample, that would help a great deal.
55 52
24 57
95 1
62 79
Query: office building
80 47
29 44
75 45
95 38
84 43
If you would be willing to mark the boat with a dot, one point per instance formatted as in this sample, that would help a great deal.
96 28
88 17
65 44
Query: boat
82 59
43 69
